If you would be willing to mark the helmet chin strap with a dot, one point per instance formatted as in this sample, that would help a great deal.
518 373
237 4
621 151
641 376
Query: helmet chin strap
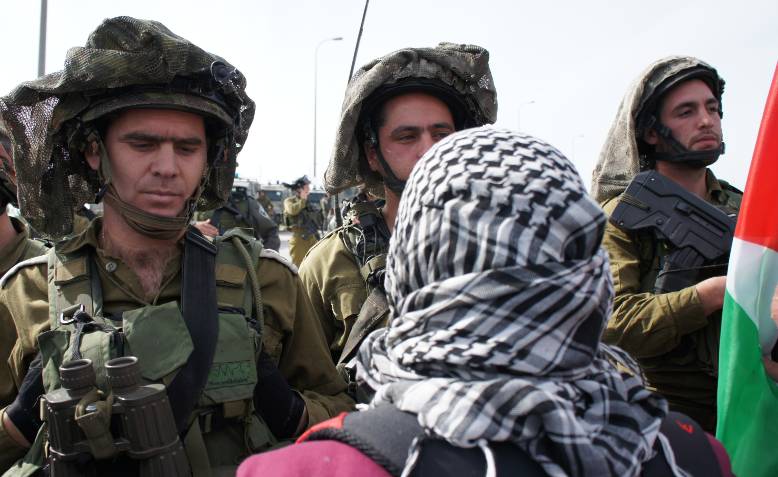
394 183
151 225
680 154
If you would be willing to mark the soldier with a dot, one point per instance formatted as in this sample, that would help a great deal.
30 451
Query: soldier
302 219
153 125
395 108
669 122
265 202
243 211
15 246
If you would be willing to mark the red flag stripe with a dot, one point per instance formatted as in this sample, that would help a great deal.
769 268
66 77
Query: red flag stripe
758 220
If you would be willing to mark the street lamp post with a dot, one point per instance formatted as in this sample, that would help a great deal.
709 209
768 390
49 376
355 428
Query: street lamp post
42 39
518 112
315 90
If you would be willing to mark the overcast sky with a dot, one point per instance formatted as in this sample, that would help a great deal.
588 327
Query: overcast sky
560 67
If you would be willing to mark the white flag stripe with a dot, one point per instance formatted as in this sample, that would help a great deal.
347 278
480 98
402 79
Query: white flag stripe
752 277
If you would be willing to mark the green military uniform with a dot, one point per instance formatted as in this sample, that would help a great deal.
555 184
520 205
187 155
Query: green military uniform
301 220
337 277
291 336
674 342
343 274
265 201
242 336
20 249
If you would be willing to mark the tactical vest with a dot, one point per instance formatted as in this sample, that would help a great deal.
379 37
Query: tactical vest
366 237
223 423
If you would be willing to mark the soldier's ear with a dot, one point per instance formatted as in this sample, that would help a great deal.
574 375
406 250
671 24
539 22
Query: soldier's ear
92 155
651 137
372 160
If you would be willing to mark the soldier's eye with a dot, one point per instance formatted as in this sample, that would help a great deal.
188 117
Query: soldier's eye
142 145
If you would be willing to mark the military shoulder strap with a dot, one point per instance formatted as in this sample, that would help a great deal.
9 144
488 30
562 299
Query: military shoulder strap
247 252
372 316
273 255
30 262
200 311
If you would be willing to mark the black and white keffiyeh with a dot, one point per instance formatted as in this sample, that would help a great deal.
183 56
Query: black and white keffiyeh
499 291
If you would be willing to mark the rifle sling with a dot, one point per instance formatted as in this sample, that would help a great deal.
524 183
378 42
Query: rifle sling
200 311
370 317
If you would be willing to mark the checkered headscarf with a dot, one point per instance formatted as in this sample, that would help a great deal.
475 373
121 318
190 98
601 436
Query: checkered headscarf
499 291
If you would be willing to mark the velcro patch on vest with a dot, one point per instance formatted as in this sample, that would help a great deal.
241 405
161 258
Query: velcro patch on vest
70 270
230 374
230 274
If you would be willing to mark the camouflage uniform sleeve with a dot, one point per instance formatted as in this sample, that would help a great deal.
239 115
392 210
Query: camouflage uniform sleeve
335 289
294 205
295 338
644 324
24 315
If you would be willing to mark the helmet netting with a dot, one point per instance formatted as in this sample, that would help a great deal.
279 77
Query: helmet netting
44 115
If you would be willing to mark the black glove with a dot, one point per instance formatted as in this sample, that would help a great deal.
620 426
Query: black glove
24 411
279 406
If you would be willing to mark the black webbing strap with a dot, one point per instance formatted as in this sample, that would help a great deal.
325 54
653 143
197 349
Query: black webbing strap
371 316
216 218
198 303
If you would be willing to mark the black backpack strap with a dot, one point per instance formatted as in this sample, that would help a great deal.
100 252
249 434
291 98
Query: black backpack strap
690 446
385 435
198 303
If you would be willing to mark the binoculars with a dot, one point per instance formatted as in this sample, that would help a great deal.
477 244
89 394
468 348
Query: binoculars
88 430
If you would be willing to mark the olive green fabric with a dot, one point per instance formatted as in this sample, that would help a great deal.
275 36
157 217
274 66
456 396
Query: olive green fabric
302 220
299 245
125 62
465 68
265 201
668 334
21 248
335 287
619 159
291 336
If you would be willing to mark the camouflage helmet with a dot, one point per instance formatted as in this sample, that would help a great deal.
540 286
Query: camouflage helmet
457 74
624 152
126 63
7 172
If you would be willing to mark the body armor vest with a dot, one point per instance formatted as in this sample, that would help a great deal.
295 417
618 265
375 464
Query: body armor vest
158 336
366 236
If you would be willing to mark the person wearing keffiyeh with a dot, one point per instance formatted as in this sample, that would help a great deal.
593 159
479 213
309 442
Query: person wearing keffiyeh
498 292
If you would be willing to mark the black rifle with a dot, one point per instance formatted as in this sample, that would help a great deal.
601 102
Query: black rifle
698 231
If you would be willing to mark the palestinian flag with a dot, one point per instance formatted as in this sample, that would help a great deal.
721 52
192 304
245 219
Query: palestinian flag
747 396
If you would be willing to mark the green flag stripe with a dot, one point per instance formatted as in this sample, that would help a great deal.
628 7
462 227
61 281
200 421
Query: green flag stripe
747 397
